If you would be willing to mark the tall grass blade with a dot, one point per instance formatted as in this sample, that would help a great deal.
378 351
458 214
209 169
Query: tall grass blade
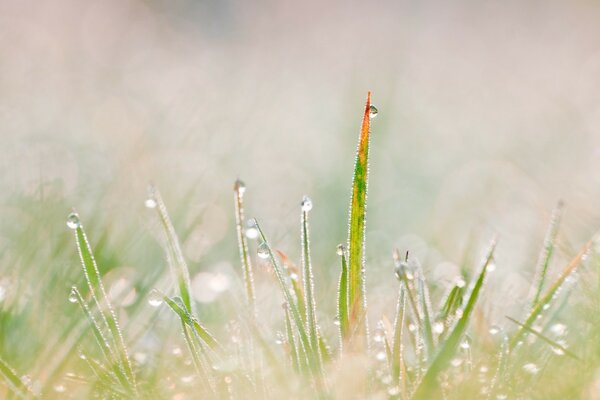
425 307
174 253
291 339
550 294
295 314
15 384
397 353
342 303
560 349
357 229
239 189
98 293
546 253
428 386
308 280
179 309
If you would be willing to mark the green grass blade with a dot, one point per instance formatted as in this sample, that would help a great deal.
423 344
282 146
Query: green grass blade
357 229
342 304
292 345
428 386
549 341
107 313
546 253
174 254
239 189
545 301
308 280
425 307
294 312
192 322
398 334
15 384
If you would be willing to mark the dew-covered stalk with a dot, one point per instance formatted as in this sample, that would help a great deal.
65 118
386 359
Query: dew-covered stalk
357 230
293 348
239 189
428 386
546 253
98 293
173 248
308 280
545 300
342 304
398 334
294 312
15 384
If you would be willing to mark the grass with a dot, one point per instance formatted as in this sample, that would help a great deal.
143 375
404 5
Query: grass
452 351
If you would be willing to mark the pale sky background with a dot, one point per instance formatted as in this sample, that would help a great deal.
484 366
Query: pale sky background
489 114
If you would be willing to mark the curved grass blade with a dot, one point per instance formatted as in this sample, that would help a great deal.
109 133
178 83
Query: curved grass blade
239 189
428 386
546 253
549 341
174 253
357 229
192 322
295 314
15 384
342 304
309 287
108 317
546 299
425 306
397 342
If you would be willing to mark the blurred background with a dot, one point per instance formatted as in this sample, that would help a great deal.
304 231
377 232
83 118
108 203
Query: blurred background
489 114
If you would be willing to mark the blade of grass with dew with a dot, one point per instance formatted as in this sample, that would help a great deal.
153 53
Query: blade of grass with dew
547 298
192 322
546 253
428 386
357 228
556 346
94 281
296 281
425 306
291 339
14 383
308 280
103 343
239 189
174 253
294 312
342 303
398 334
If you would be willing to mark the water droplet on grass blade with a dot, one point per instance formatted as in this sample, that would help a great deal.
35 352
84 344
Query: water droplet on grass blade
531 368
150 203
373 111
438 327
340 249
155 298
73 221
380 356
336 321
306 204
251 231
494 330
466 343
73 295
263 250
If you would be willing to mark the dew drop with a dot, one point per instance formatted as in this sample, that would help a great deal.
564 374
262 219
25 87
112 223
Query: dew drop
558 351
340 249
251 231
187 379
155 298
336 321
306 204
373 111
263 250
501 396
531 368
73 295
60 388
438 327
380 356
404 271
73 221
460 282
412 327
494 330
294 276
394 391
466 343
150 202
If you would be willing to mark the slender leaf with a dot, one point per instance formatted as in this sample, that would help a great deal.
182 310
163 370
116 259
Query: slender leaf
357 228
